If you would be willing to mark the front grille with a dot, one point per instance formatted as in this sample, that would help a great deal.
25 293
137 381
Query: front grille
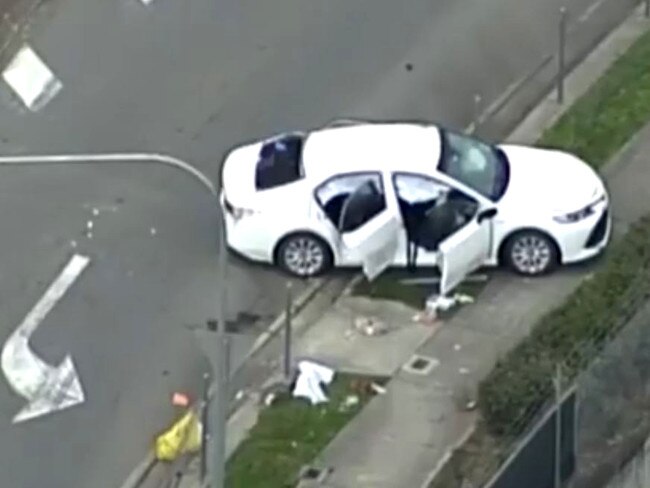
598 232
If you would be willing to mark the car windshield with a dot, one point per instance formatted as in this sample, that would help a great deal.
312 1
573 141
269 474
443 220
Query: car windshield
479 165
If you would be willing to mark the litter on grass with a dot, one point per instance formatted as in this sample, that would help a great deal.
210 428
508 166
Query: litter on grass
311 378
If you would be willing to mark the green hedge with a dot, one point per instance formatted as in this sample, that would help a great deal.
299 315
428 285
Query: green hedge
571 334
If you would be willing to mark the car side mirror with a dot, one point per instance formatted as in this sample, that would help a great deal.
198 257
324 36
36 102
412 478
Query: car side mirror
486 214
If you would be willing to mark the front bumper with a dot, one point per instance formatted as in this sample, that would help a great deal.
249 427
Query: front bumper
588 238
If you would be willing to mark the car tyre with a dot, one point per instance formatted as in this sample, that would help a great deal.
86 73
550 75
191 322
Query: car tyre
531 253
304 255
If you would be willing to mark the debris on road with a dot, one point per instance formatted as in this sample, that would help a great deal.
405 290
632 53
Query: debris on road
377 388
153 231
183 437
370 326
441 303
180 400
311 378
349 402
426 317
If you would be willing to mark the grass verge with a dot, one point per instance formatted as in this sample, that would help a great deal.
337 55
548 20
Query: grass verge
388 286
291 433
595 128
612 111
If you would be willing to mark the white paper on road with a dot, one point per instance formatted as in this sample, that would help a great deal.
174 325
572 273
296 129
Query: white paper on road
31 79
311 376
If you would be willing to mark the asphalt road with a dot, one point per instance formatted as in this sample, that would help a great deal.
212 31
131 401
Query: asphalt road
192 79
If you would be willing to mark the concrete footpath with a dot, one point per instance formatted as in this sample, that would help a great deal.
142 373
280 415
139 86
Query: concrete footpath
406 434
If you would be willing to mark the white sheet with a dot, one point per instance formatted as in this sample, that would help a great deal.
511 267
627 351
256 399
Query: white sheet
310 377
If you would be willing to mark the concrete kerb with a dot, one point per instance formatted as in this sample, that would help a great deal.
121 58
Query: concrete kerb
549 111
142 470
297 306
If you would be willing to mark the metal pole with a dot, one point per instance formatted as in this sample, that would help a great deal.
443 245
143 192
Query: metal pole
561 62
204 421
227 363
287 336
219 412
558 426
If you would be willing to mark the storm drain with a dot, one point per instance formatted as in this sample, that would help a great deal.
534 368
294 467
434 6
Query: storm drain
311 476
420 365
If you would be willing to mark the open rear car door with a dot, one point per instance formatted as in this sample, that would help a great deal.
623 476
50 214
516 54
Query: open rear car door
369 228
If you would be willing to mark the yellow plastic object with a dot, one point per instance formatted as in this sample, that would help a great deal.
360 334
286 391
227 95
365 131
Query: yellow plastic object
183 437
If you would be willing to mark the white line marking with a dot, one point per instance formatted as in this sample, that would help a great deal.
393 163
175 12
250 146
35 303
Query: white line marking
31 79
590 11
46 388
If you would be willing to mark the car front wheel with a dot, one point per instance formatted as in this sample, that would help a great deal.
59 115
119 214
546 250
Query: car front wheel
304 255
531 253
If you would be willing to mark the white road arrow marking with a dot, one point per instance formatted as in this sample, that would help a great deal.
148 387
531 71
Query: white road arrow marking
47 388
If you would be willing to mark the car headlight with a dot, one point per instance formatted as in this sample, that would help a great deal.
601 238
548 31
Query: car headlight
578 215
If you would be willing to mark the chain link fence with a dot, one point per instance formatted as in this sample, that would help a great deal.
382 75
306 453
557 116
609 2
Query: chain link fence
601 437
613 420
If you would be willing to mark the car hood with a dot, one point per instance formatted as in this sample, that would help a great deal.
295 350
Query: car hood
549 181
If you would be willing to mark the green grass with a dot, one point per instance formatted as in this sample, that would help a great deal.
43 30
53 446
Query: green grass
290 434
610 113
388 287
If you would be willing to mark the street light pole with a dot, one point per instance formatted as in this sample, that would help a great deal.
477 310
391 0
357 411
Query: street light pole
219 410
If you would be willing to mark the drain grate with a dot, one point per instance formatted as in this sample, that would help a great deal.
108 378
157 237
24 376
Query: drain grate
311 476
312 473
421 365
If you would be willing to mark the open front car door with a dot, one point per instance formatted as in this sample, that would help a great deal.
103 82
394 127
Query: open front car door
465 251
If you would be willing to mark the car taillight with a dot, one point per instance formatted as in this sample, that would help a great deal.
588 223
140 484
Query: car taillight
239 213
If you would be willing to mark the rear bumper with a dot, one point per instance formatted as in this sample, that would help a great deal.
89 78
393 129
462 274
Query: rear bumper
243 235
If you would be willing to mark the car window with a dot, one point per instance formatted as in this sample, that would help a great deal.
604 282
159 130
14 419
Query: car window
351 200
474 163
431 210
279 162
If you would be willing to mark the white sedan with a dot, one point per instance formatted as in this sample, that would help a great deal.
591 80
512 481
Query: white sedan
403 194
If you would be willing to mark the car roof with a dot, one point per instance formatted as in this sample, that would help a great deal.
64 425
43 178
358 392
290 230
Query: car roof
408 147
